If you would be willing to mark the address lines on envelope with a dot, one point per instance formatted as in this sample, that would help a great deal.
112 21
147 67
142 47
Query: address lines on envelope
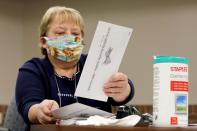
99 58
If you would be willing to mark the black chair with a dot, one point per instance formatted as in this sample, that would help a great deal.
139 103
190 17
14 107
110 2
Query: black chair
3 129
13 120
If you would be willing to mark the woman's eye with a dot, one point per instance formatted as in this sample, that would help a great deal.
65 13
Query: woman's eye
59 33
76 34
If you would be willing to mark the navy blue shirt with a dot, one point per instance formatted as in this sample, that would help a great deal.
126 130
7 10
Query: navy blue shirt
37 81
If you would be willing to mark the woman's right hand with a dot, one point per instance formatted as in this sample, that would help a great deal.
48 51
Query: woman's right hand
42 112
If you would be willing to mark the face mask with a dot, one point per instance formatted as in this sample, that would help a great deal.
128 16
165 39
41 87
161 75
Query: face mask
65 48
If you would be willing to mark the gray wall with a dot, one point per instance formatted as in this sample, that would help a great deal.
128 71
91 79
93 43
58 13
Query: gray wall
161 27
11 35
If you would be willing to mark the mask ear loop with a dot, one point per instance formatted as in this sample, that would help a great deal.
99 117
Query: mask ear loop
44 41
46 38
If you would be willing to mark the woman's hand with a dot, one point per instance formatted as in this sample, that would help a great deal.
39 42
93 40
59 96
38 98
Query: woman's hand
117 87
42 113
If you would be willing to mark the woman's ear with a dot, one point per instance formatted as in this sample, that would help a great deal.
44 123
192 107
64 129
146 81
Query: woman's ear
43 42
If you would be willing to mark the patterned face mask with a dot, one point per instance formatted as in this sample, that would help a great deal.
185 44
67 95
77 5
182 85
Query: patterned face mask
65 48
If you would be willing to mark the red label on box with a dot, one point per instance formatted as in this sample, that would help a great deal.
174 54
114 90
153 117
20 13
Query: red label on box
173 121
179 86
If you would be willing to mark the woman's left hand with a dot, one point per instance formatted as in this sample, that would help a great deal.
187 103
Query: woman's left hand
117 87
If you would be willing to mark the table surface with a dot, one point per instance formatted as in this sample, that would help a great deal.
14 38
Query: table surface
108 128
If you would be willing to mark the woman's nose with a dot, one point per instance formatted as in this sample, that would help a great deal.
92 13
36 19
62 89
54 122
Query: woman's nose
68 32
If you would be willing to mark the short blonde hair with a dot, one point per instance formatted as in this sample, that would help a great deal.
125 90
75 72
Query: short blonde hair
65 14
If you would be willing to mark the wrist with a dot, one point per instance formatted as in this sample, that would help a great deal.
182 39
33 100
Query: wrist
32 114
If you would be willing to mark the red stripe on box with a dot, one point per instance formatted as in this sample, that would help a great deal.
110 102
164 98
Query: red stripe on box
179 86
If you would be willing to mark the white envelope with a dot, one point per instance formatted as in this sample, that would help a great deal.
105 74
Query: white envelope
104 58
78 110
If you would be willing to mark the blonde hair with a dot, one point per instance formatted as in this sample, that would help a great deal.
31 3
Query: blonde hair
64 14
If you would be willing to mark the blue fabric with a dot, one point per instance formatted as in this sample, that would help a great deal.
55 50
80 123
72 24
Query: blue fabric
36 82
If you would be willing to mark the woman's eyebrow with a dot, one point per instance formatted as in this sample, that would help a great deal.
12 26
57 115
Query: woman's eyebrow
60 27
75 29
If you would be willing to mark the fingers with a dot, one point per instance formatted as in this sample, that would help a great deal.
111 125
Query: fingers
117 87
118 77
54 106
45 111
113 95
45 119
118 84
113 90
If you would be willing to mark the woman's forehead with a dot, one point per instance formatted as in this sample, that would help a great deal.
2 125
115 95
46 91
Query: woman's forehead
61 19
64 24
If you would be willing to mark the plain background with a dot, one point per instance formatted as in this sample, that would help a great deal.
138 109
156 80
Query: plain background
161 27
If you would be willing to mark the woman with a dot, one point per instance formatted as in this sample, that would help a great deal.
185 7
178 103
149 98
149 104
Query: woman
45 84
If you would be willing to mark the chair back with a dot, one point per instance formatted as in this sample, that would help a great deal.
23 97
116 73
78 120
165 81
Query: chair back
13 120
